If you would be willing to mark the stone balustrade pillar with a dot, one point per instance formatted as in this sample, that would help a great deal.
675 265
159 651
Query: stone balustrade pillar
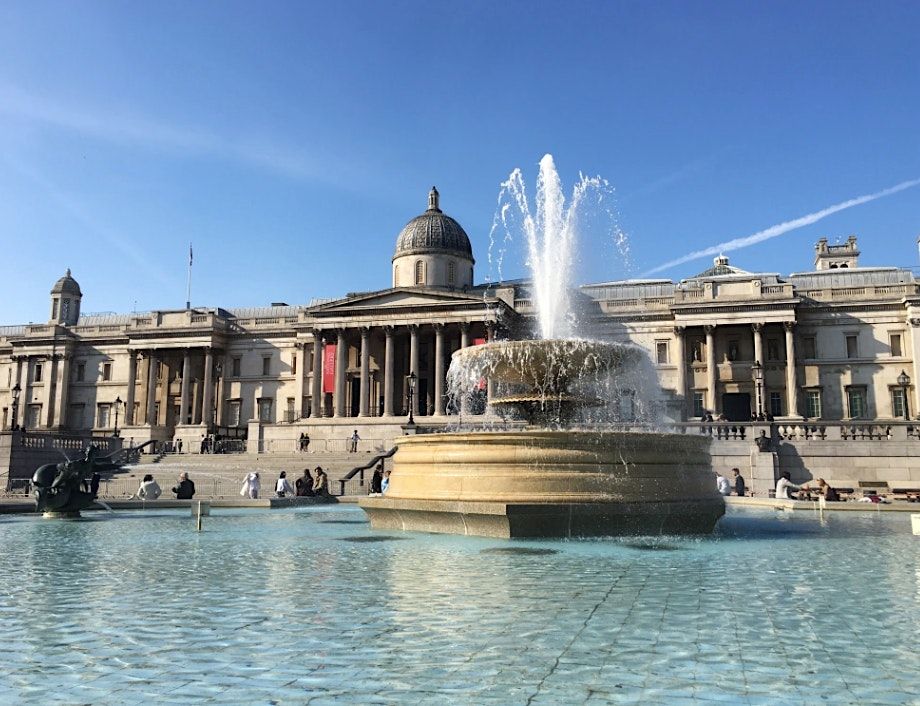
710 368
365 372
388 372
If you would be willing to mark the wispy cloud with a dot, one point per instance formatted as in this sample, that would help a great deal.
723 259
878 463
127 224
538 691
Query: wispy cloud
139 130
781 228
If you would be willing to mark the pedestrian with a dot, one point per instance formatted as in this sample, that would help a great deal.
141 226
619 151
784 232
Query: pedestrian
377 480
251 486
784 486
94 484
722 485
739 483
385 483
179 446
306 441
304 485
283 487
354 442
320 482
149 489
185 489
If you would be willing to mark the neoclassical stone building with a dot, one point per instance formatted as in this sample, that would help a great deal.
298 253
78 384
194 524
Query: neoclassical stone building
831 344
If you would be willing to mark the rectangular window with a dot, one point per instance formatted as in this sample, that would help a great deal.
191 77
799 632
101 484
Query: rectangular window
75 416
776 404
102 415
897 402
894 340
733 349
266 365
811 348
856 399
294 363
106 371
661 352
37 372
772 349
813 404
33 416
290 414
698 405
852 346
233 412
265 410
81 372
235 371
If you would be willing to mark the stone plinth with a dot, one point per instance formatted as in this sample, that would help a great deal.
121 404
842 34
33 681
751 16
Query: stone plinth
549 484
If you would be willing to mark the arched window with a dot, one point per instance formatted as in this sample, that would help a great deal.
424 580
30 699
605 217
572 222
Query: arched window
419 272
451 273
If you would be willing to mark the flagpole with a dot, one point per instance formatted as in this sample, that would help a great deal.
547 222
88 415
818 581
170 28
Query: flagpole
188 289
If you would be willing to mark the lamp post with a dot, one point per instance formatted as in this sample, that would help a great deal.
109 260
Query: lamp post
904 382
16 390
757 372
118 404
411 378
218 370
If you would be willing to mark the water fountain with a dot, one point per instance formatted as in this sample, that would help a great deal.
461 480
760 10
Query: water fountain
570 467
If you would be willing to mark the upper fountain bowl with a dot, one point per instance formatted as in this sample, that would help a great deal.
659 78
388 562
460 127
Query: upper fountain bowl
545 365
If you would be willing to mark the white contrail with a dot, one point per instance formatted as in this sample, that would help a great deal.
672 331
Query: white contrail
776 230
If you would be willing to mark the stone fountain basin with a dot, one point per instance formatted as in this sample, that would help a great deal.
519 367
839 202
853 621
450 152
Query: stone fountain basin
549 484
544 364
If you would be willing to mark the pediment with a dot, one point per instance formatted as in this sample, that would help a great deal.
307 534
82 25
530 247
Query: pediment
399 298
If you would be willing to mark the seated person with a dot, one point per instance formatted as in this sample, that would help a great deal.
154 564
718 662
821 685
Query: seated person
784 487
829 494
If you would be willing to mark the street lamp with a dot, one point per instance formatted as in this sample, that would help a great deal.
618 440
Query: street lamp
411 378
757 372
118 404
218 370
904 382
16 391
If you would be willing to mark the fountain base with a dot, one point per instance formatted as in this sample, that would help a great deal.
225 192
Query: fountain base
550 484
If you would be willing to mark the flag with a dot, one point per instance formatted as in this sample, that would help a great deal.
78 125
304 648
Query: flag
189 254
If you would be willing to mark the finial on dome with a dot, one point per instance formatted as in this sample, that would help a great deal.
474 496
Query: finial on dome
434 199
67 274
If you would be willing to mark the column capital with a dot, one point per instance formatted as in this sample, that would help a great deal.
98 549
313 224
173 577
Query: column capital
914 322
709 329
464 325
757 327
438 326
789 325
680 330
365 332
389 330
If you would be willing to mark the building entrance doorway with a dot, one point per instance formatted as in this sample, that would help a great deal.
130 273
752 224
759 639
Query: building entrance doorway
736 406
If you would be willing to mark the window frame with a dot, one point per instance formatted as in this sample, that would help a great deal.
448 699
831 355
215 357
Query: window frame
899 336
662 344
814 394
854 337
857 392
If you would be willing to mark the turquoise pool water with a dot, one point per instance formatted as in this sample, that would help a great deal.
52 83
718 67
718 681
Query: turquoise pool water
310 606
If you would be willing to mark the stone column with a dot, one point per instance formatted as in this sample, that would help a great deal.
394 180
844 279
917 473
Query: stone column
17 380
46 418
25 397
710 368
341 360
365 371
915 353
758 342
680 356
490 336
207 402
186 387
792 396
464 335
316 409
388 373
151 390
301 386
131 392
63 391
413 363
439 369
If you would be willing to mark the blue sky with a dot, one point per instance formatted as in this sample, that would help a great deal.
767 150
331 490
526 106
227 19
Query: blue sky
292 141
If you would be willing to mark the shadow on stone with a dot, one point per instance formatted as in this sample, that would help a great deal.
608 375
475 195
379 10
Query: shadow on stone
361 540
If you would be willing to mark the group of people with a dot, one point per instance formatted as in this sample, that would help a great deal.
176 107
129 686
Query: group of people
737 484
307 485
304 442
787 490
380 481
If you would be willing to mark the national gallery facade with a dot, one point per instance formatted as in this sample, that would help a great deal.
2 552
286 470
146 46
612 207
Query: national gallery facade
830 344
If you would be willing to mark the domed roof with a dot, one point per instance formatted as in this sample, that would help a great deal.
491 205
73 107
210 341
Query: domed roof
433 232
67 285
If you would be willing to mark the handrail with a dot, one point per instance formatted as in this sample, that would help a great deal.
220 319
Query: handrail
360 469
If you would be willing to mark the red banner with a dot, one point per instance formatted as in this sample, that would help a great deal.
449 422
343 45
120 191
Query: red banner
478 341
329 368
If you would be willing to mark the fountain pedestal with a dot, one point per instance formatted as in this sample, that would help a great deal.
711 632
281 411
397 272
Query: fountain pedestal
545 483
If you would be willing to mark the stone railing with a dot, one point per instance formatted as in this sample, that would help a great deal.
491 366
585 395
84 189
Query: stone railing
33 440
894 430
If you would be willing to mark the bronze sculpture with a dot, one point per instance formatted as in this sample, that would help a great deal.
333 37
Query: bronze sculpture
58 487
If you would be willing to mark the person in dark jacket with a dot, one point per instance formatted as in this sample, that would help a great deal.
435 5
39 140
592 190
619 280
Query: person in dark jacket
94 485
185 490
740 488
377 480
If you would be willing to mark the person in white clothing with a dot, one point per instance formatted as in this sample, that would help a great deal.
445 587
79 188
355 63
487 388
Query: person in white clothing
784 487
722 484
283 487
251 486
149 489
